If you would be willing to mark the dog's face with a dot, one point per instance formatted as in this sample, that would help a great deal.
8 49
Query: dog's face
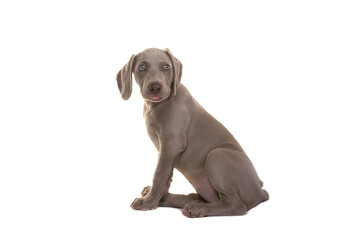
156 71
153 72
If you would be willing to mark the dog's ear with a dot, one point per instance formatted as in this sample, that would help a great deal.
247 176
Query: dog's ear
177 66
124 79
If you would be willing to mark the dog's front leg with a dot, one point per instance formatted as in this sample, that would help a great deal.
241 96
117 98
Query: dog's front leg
168 154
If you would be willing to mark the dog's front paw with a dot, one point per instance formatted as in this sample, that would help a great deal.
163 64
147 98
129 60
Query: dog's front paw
144 204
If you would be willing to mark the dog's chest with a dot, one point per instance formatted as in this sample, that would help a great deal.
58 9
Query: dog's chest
153 133
152 126
159 124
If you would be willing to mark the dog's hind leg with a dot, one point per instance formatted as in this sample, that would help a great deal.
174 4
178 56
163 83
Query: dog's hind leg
175 200
233 176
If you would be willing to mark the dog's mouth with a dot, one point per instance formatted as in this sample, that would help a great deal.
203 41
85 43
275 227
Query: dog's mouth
155 98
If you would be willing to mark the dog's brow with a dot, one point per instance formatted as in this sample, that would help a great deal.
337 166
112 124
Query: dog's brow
144 60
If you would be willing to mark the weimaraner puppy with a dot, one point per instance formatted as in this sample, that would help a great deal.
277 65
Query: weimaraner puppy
189 139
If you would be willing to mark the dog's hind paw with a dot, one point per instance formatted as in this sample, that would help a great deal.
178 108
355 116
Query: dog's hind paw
193 210
145 191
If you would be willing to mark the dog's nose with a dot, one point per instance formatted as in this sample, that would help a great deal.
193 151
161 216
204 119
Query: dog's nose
155 87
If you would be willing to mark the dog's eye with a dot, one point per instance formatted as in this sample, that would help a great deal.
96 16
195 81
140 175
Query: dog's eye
142 67
166 67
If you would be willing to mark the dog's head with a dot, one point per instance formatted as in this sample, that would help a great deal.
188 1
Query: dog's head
156 71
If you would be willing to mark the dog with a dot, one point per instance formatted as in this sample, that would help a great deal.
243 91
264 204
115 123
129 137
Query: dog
189 139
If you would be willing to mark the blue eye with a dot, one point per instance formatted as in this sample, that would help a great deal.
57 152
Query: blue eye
166 67
142 67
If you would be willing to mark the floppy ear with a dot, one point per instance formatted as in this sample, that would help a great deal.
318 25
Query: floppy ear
124 79
177 66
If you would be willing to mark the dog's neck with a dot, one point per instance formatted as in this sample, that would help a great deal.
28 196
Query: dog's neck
150 106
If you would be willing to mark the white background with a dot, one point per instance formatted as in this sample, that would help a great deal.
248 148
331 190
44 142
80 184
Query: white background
282 76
